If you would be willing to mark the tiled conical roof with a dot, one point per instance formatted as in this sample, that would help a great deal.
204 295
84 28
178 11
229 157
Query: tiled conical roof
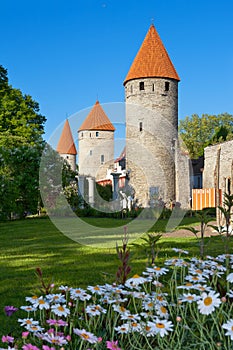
66 143
152 59
97 120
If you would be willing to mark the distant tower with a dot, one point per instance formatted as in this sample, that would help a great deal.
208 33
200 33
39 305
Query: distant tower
96 143
66 147
151 96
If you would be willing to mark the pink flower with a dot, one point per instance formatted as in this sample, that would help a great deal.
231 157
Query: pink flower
7 339
112 345
30 347
25 335
46 347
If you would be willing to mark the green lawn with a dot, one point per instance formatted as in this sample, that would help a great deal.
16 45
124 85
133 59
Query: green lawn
33 243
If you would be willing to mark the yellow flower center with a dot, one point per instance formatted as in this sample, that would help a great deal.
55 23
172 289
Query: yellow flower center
34 297
78 291
122 308
157 268
29 322
159 298
136 276
160 325
150 304
96 288
208 301
41 301
134 324
188 284
148 328
190 297
195 278
34 328
163 310
232 328
85 336
61 308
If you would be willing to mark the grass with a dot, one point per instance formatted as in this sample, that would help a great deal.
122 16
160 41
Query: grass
28 244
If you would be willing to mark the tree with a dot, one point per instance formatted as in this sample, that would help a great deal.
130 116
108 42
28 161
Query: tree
21 145
199 132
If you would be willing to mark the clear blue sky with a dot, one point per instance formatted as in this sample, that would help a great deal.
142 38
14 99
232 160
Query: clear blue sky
66 53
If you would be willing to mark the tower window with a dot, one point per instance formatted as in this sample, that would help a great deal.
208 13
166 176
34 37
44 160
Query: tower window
82 134
167 86
140 126
97 134
91 152
131 89
90 134
153 87
102 158
141 85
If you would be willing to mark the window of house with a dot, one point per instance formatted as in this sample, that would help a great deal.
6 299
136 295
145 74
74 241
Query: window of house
131 89
167 86
102 158
141 85
97 134
140 126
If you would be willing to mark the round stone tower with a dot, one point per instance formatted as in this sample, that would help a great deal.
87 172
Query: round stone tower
66 147
96 143
151 96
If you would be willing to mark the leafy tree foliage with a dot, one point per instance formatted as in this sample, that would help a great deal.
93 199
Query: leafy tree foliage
198 132
21 144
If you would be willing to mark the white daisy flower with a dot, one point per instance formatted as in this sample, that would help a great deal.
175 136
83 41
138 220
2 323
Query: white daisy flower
56 298
189 298
156 270
27 322
120 309
60 310
230 293
123 329
148 305
54 339
161 327
181 251
41 303
96 290
229 327
230 277
95 310
130 317
34 328
162 311
208 302
135 281
28 308
135 327
83 334
64 288
32 299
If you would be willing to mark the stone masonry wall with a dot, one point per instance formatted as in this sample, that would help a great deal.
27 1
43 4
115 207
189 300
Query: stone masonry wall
92 145
151 131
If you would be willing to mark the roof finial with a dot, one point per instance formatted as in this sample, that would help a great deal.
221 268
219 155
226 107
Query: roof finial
97 97
152 21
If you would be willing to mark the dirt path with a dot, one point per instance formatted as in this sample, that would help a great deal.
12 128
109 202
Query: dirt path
185 233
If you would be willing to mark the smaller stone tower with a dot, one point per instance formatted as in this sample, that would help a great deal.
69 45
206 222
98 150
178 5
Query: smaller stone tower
66 147
96 143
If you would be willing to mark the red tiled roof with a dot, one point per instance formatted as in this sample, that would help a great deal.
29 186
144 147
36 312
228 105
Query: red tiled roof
66 143
97 120
152 60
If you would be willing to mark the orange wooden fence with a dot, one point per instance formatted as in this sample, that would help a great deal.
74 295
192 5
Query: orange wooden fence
205 198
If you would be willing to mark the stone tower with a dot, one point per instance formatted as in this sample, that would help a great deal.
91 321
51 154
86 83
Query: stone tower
151 96
96 143
66 147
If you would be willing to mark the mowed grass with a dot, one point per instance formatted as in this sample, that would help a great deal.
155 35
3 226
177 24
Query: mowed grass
28 244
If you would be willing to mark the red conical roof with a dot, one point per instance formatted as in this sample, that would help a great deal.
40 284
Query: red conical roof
66 143
152 60
97 120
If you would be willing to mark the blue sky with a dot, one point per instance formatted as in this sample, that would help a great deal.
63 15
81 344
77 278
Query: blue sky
66 54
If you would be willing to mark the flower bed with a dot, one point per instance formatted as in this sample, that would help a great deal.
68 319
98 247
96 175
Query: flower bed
185 304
